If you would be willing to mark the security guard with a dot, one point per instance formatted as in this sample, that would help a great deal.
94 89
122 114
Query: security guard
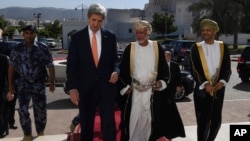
30 59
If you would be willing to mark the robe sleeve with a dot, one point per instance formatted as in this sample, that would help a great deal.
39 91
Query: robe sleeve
196 66
124 77
225 71
162 65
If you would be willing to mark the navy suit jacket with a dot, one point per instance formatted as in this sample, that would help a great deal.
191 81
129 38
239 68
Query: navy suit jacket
81 70
3 75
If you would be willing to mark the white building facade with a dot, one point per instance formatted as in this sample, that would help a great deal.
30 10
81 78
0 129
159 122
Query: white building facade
121 20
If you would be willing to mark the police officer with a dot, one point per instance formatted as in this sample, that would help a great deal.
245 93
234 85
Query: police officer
30 60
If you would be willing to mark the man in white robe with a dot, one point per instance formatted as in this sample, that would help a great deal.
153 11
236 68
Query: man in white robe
140 117
142 79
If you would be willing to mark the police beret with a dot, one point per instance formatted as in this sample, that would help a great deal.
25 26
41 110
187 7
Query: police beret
29 28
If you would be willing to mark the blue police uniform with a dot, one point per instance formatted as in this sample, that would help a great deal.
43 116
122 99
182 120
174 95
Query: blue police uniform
30 65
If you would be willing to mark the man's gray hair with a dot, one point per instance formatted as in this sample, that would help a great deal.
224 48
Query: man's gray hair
97 9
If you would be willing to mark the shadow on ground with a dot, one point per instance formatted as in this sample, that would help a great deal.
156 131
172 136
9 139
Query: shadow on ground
61 104
185 99
243 86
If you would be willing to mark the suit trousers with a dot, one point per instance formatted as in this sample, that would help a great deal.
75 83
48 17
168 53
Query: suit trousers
104 99
11 110
3 114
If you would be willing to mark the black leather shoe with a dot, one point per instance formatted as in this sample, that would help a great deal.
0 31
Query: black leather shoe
13 126
4 133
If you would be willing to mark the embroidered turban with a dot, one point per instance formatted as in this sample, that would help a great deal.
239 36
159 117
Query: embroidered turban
209 23
143 25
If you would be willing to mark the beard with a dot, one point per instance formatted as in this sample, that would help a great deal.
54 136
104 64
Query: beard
141 41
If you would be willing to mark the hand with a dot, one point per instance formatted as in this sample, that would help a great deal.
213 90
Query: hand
52 87
163 138
157 85
10 95
129 91
113 78
74 96
218 86
210 89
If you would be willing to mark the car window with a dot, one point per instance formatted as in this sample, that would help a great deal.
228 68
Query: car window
170 44
19 40
166 42
246 53
178 45
188 44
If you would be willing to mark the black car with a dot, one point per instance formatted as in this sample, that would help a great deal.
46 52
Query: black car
243 67
179 48
165 43
187 85
6 46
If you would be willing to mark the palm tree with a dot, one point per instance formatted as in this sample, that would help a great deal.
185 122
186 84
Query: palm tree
226 13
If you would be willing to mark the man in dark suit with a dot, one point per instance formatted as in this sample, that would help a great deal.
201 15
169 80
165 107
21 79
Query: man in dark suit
10 105
174 80
3 92
92 76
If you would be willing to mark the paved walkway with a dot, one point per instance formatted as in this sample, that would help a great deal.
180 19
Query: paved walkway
223 134
234 112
